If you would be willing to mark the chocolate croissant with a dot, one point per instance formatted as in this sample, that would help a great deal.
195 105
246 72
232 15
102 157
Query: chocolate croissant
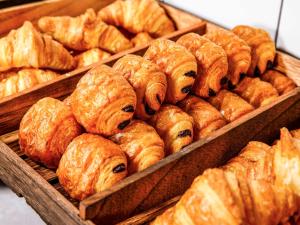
138 16
91 56
279 81
142 145
179 65
263 49
90 165
212 64
174 126
16 82
103 102
256 92
238 53
148 81
230 105
141 39
84 32
26 47
46 130
207 119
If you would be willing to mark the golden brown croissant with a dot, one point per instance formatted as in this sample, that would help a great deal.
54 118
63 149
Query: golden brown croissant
24 79
142 145
148 81
141 39
262 48
238 53
91 164
84 32
26 47
179 65
212 64
256 92
174 126
230 105
103 101
282 83
207 119
91 56
46 130
138 16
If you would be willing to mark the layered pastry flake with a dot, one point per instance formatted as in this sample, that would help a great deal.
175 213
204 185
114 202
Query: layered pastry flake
141 39
91 56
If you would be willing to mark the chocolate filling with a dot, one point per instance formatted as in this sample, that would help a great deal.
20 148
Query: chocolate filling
230 85
158 99
119 168
128 108
186 89
211 92
191 74
269 65
223 80
148 110
256 72
122 125
185 133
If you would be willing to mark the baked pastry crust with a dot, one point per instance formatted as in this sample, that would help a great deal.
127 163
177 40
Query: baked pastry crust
26 47
174 126
84 32
230 105
103 101
91 164
16 82
237 50
46 130
179 65
263 49
207 119
256 92
91 56
138 16
141 39
142 145
149 83
282 83
212 63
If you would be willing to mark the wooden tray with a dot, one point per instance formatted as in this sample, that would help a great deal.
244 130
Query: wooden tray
141 191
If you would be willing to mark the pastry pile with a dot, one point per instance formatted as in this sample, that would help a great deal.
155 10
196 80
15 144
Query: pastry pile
63 43
122 119
259 186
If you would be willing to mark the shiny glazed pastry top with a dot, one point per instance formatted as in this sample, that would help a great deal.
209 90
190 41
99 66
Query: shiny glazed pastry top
91 164
142 145
138 16
179 65
103 101
212 64
174 126
148 81
46 130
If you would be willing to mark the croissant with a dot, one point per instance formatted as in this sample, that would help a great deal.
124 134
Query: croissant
260 186
91 56
84 32
279 81
141 39
142 145
256 92
24 79
91 164
212 64
207 119
263 49
138 16
230 105
179 65
148 81
238 53
46 130
103 102
174 126
26 47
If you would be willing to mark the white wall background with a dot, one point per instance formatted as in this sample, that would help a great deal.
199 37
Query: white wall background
260 13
